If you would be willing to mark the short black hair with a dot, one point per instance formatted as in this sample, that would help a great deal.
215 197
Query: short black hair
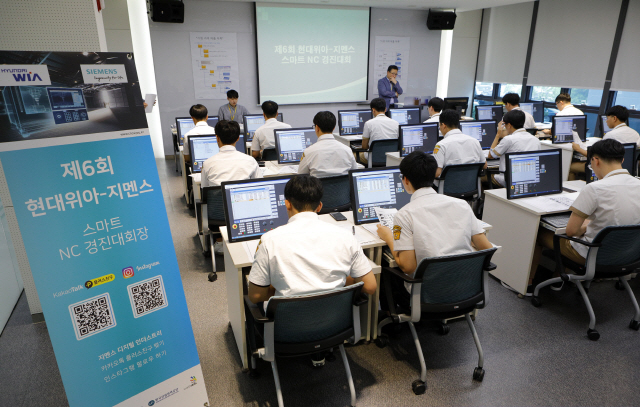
226 132
232 94
563 97
270 109
378 104
609 151
511 98
436 103
326 121
304 192
516 118
419 168
451 118
392 67
621 112
198 112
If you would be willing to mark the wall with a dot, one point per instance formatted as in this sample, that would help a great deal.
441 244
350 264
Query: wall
116 26
464 54
172 59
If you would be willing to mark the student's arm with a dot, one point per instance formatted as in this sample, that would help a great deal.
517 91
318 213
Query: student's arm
255 146
369 281
576 148
498 148
365 136
480 242
260 288
365 142
439 171
577 225
303 167
405 259
259 294
399 90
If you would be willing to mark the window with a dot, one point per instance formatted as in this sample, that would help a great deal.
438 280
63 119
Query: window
545 93
589 97
630 100
634 123
484 89
509 88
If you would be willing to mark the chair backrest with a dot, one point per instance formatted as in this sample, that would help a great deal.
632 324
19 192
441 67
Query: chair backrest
461 180
620 248
269 154
336 196
378 150
450 283
214 198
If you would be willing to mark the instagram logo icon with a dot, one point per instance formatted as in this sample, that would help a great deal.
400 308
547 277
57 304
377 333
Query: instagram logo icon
127 272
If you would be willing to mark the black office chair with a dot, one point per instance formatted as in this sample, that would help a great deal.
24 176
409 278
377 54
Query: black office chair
303 325
269 154
214 199
336 196
377 152
442 288
462 181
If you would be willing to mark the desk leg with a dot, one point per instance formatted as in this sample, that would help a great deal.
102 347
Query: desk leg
514 229
375 255
235 302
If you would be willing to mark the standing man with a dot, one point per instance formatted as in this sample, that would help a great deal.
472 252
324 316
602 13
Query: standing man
232 111
388 87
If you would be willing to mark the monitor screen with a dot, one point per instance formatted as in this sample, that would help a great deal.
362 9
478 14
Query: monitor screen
183 125
375 187
212 121
290 143
482 130
254 207
203 147
493 112
628 164
605 127
67 105
535 109
418 137
460 104
351 122
533 173
562 128
406 115
252 122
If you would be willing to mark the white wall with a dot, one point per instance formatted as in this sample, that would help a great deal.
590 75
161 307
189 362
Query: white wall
116 26
464 53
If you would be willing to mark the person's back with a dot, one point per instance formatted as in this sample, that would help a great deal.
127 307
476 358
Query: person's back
512 102
563 103
264 137
199 114
434 107
617 119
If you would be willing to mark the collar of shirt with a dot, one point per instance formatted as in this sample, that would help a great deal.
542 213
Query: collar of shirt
567 106
202 123
453 132
273 119
303 215
425 191
523 130
616 172
227 148
516 108
327 136
435 115
381 114
620 125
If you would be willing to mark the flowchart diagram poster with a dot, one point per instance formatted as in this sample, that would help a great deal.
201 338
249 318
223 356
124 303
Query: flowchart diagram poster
214 58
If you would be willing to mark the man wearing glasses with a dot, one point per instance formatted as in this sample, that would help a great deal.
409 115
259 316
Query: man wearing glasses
388 87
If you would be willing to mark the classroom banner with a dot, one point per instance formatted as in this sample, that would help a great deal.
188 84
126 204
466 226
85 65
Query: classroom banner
91 215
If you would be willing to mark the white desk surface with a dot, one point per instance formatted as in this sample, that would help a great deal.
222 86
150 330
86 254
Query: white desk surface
567 146
346 140
501 194
576 185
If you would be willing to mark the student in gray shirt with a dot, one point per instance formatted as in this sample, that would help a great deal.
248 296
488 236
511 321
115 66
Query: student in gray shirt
232 111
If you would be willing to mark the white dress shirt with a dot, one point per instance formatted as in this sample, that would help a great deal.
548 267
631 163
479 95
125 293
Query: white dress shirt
201 128
435 119
327 158
570 110
457 148
264 138
623 134
380 127
529 121
519 140
228 165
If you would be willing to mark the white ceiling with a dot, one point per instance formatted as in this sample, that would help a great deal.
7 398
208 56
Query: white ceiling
459 5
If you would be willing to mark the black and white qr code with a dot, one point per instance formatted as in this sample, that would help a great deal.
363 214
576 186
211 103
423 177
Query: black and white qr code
92 316
147 296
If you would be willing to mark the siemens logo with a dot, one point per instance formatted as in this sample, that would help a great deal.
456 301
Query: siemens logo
102 71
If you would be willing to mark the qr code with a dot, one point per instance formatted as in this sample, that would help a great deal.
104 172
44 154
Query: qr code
92 316
147 296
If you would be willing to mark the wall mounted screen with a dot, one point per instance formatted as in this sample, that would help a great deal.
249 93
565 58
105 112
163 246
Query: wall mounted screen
312 54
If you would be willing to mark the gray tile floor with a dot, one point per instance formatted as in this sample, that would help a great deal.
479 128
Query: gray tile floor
533 357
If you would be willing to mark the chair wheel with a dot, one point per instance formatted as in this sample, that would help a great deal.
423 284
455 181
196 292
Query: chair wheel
619 286
207 253
213 276
536 302
478 374
330 357
418 387
444 329
381 341
635 325
593 334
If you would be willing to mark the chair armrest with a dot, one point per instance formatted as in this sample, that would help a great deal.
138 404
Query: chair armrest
401 274
490 267
256 312
360 300
575 239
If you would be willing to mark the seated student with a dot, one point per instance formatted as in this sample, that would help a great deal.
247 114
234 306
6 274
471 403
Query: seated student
611 201
327 157
565 108
199 114
515 139
232 111
434 107
430 225
264 137
512 102
456 147
380 127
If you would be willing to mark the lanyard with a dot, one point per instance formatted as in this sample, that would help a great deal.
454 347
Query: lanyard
234 111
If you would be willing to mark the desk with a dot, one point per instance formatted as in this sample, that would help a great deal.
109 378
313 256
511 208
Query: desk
348 140
515 228
567 153
394 159
185 174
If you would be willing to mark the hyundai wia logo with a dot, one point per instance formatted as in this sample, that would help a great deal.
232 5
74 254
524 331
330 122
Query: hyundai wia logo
24 75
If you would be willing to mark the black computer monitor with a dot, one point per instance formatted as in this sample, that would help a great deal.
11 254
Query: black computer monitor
375 187
482 130
291 143
460 104
183 125
418 137
254 207
489 112
251 123
67 105
202 147
533 173
605 127
351 122
535 109
628 164
212 121
406 115
562 128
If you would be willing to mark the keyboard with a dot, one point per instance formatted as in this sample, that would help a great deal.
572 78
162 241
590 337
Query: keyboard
558 220
355 146
562 200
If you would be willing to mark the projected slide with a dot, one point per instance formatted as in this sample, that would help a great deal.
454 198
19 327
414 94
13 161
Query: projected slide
325 61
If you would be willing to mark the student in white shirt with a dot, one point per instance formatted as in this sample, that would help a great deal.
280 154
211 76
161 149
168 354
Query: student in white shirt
613 200
430 225
327 157
434 107
199 115
516 139
380 127
565 108
512 102
264 137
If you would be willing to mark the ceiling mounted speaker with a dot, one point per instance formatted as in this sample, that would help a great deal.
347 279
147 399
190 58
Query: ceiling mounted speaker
166 11
441 20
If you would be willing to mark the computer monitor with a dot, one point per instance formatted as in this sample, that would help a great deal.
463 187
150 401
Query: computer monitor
375 187
290 143
183 125
254 207
460 104
533 173
482 130
490 112
251 123
212 121
351 122
418 137
628 164
67 105
605 127
202 147
535 109
562 128
406 115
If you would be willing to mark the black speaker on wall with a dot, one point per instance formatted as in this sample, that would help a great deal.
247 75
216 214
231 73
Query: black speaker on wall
166 11
441 20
